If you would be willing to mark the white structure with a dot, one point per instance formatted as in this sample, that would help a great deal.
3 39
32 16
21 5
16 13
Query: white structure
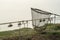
40 17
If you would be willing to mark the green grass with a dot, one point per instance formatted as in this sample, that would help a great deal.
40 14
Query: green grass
28 31
21 32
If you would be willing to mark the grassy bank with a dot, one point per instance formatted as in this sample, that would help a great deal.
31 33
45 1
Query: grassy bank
50 31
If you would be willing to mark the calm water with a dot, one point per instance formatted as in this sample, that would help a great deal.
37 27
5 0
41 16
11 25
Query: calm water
15 26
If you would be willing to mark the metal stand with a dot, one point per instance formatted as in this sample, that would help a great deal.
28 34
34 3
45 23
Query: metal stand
19 24
27 23
50 23
54 20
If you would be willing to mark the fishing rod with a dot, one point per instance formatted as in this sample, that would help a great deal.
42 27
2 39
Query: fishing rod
22 21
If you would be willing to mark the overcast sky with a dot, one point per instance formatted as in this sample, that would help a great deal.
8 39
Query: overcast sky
14 10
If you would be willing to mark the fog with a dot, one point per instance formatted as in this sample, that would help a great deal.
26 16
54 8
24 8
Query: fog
15 10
